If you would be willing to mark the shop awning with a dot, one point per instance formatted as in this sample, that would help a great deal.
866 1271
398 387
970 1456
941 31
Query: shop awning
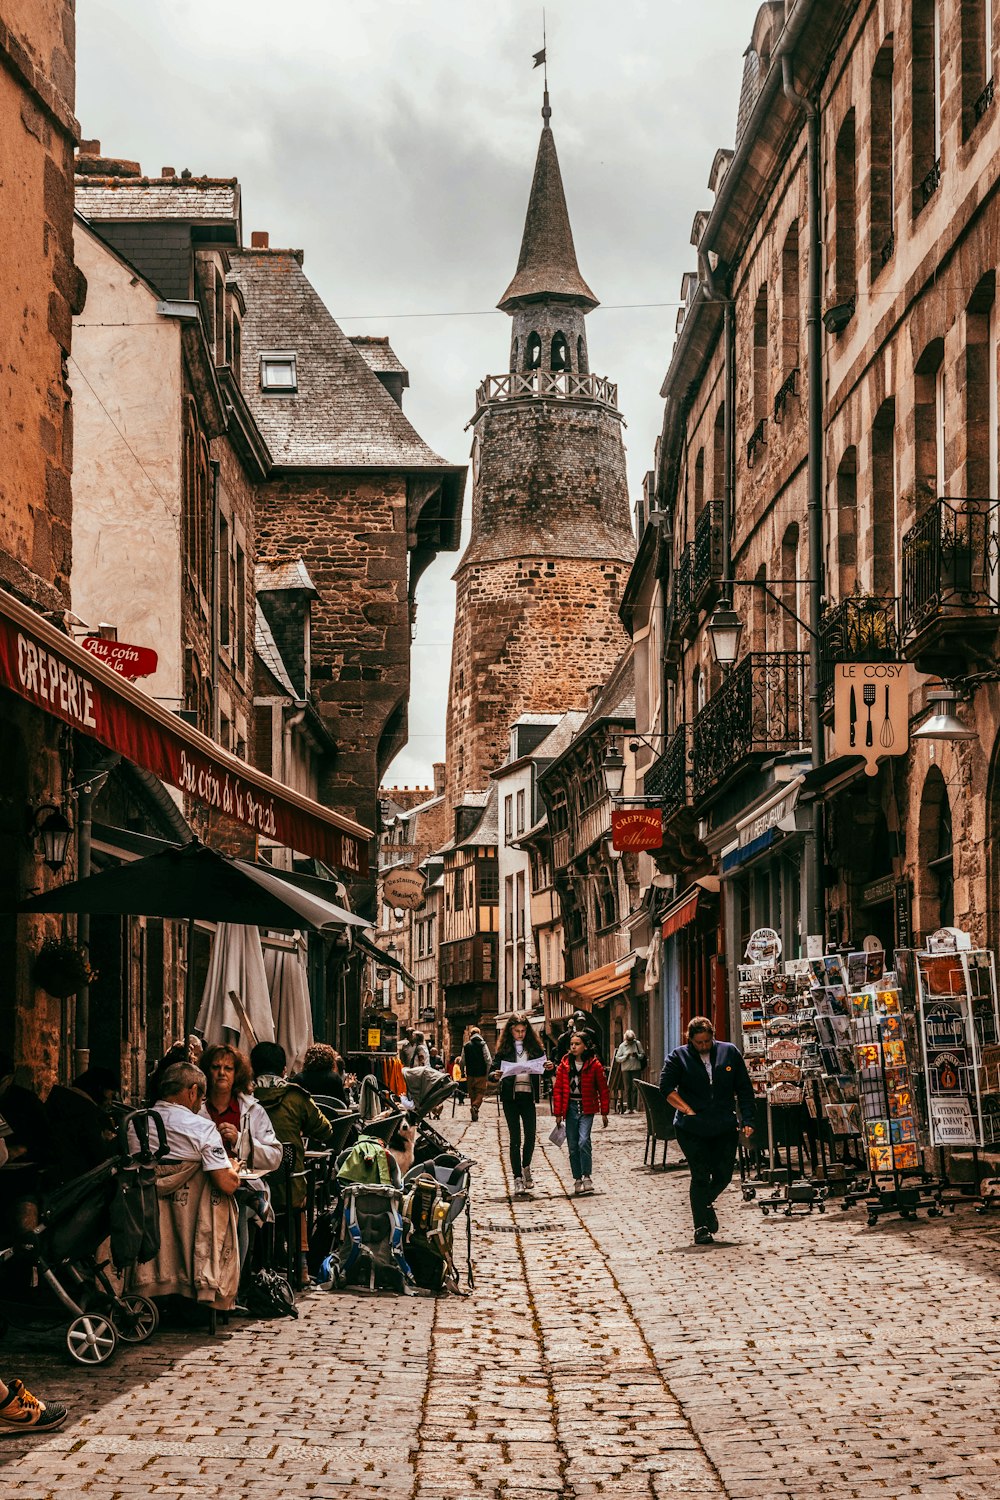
603 983
41 665
680 914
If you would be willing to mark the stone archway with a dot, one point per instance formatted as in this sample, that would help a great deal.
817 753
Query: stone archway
934 903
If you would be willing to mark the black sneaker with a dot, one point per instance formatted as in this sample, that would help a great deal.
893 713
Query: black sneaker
713 1219
703 1236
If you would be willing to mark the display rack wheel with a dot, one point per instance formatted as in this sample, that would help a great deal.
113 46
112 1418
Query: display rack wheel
135 1318
821 1207
91 1339
935 1213
872 1220
749 1194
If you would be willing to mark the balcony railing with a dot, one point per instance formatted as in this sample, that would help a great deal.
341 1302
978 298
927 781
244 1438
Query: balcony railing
862 627
761 709
707 559
667 777
931 183
950 564
562 385
984 101
684 588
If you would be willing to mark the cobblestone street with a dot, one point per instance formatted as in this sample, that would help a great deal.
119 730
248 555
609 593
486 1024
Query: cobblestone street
601 1354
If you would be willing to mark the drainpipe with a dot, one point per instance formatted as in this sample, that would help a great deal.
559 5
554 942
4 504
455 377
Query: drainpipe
814 367
216 601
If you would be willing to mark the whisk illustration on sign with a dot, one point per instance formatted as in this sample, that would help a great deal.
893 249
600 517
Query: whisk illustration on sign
887 736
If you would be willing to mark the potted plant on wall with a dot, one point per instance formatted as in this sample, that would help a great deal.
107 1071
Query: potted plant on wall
61 968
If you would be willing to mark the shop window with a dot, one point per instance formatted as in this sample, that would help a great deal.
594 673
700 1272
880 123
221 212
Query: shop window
760 356
790 588
847 523
976 61
936 855
884 519
846 213
533 352
882 144
791 276
560 352
981 391
925 102
929 422
699 482
719 453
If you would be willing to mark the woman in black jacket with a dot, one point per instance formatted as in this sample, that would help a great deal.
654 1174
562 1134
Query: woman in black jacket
322 1074
519 1094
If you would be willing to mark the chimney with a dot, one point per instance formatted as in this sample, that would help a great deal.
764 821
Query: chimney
90 148
168 171
259 239
439 770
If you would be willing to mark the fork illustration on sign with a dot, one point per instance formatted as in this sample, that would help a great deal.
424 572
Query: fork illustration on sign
868 699
887 736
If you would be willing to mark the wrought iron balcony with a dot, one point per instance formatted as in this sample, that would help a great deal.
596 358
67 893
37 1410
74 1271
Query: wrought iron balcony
667 777
761 709
931 183
984 101
560 385
707 560
684 601
788 388
863 627
757 439
951 580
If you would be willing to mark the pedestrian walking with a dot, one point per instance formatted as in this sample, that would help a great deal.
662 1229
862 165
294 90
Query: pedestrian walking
524 1055
631 1058
476 1058
580 1093
706 1082
420 1055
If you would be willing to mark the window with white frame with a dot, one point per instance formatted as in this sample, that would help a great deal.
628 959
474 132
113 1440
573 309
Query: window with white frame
278 372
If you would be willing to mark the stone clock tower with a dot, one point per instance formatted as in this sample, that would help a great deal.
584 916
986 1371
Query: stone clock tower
539 586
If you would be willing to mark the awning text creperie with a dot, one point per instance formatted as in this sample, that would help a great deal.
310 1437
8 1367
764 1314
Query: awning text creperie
42 666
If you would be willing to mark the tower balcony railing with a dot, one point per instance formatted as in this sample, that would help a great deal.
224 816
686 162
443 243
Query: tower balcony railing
951 580
559 385
667 777
761 709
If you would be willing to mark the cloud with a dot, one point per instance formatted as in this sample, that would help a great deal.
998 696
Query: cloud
393 140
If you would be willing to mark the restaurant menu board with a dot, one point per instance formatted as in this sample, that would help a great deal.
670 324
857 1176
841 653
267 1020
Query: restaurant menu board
779 1035
960 1041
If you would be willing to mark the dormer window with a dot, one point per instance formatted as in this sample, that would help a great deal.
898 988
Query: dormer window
278 373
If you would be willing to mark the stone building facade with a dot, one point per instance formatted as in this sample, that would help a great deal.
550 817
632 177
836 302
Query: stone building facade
866 534
40 290
539 585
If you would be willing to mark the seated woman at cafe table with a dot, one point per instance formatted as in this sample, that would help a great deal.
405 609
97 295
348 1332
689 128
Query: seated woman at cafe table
246 1133
196 1182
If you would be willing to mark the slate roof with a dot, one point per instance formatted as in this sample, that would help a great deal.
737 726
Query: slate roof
616 699
547 264
380 355
561 737
279 575
267 649
342 417
193 200
487 830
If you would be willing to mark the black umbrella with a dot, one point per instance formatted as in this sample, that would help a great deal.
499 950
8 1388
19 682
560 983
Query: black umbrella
188 882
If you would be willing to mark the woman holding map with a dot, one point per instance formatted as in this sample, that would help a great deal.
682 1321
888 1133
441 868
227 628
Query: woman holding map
518 1063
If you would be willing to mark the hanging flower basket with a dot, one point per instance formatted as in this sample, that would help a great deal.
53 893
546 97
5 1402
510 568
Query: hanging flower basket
62 968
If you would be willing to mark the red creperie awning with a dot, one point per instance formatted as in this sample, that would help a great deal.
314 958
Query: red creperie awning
47 669
680 914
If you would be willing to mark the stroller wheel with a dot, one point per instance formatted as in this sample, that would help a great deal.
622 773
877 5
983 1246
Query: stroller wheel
135 1319
91 1339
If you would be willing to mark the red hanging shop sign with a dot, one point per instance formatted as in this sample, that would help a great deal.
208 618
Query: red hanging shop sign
59 677
634 828
128 661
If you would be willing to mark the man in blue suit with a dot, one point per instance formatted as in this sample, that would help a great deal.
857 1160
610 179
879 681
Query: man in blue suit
706 1082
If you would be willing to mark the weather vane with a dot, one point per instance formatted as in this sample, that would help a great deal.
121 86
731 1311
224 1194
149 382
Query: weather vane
541 61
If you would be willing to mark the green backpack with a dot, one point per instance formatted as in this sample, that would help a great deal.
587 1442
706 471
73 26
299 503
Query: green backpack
367 1161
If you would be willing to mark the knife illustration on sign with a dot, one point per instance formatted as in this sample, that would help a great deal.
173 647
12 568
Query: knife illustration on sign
854 717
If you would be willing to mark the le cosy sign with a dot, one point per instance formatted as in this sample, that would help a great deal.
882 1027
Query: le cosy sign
54 678
128 661
871 710
634 828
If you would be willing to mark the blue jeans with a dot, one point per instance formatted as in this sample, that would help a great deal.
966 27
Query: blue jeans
578 1128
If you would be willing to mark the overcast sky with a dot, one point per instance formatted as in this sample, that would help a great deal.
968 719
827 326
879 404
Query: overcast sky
394 141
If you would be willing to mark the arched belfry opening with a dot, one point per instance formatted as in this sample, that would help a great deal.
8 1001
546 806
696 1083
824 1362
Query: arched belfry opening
533 352
560 352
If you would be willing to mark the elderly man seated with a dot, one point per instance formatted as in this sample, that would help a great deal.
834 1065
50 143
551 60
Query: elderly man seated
198 1257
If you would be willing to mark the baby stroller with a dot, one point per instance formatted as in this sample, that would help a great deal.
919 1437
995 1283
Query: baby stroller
372 1229
437 1191
53 1270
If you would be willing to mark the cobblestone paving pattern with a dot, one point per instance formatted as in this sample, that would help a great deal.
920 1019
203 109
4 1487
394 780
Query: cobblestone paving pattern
602 1354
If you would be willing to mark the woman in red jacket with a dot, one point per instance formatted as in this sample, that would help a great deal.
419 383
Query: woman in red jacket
580 1092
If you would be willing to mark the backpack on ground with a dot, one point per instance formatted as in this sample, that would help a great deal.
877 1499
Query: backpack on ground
269 1295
